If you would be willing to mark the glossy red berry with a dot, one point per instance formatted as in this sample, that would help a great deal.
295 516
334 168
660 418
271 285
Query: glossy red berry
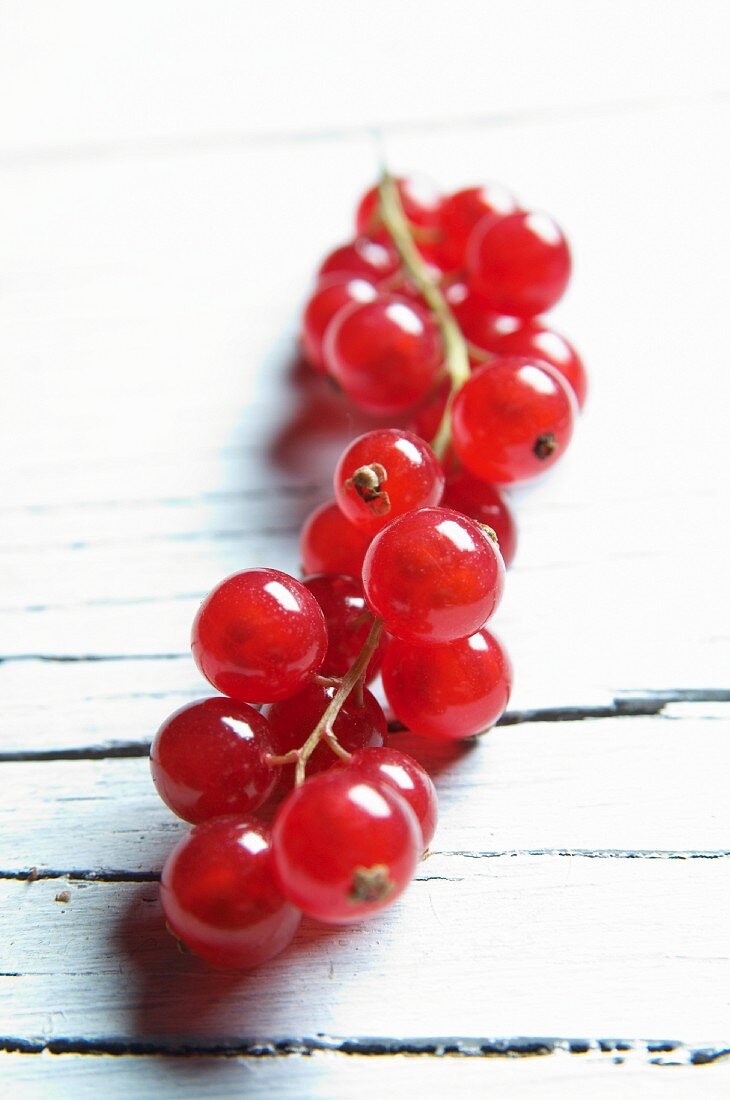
386 355
348 623
483 503
502 335
208 759
329 543
259 636
476 320
509 336
519 264
333 294
385 473
397 769
375 261
221 896
447 692
512 419
428 416
460 213
292 720
420 200
345 847
433 575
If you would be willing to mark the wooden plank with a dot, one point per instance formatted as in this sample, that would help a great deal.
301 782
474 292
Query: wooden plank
332 1076
531 787
213 72
530 946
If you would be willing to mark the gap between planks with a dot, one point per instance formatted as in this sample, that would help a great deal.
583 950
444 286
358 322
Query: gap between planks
633 705
35 874
655 1051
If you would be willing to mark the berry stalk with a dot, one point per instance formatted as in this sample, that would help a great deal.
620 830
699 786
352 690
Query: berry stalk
455 346
323 730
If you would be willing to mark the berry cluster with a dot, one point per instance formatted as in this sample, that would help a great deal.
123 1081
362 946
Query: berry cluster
430 311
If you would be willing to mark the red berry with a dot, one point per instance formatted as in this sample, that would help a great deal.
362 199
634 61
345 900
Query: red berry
356 727
428 416
476 320
209 759
385 473
330 544
483 503
461 212
502 335
348 623
386 355
536 341
519 264
333 293
406 775
368 259
345 847
259 636
433 575
419 198
221 896
512 419
447 692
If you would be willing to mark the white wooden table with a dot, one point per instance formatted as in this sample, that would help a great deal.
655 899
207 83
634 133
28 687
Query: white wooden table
169 176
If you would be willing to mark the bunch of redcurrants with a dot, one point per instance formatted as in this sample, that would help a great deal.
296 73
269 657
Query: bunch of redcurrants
430 311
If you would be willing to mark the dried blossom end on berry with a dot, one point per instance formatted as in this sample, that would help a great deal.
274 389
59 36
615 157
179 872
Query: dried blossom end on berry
370 884
367 482
545 445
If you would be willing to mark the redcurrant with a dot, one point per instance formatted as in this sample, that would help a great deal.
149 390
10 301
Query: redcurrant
502 335
348 623
483 503
512 419
531 339
433 575
259 636
461 212
345 847
428 416
333 293
390 766
373 260
446 692
355 727
386 355
221 896
519 264
330 544
385 473
209 759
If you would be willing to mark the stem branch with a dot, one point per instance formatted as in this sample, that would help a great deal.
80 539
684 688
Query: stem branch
323 730
455 347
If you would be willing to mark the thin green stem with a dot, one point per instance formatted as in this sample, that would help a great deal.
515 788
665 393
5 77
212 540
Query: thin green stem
323 730
455 347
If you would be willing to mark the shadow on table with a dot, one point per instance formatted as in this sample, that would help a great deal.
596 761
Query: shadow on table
316 425
177 1002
